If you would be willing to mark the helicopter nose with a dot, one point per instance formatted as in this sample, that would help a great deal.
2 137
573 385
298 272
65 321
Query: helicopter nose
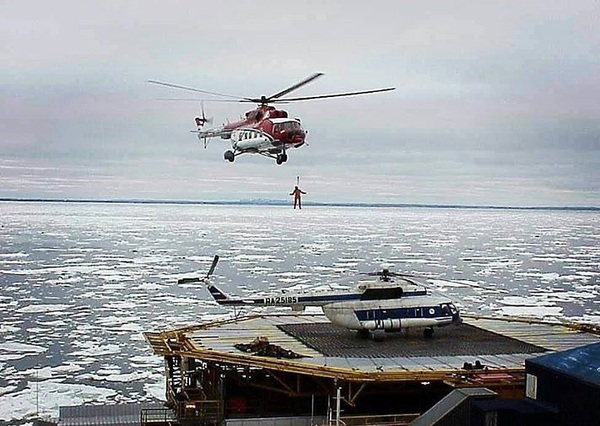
296 137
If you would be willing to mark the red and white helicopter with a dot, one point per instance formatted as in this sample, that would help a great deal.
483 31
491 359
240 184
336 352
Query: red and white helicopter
265 130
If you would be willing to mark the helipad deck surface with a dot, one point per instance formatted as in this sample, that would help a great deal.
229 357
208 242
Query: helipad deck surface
464 340
328 350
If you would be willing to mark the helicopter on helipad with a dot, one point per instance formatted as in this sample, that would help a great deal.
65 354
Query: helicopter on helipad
265 130
392 302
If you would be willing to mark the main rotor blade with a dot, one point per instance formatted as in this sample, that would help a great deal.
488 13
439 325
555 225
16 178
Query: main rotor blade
188 280
390 274
336 95
295 86
213 266
192 89
237 101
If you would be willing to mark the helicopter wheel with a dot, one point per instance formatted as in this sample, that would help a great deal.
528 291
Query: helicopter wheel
281 158
362 333
229 155
428 333
378 335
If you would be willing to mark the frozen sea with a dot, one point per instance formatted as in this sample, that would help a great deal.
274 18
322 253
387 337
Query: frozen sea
79 282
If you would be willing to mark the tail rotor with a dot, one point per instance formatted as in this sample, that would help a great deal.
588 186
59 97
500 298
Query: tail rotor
213 266
202 120
188 280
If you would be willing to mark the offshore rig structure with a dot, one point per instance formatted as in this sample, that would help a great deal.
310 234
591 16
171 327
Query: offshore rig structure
299 369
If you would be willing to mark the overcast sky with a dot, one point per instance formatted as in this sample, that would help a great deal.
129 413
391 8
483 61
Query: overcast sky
497 102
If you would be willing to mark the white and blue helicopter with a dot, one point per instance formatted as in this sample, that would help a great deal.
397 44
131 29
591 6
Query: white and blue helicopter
393 302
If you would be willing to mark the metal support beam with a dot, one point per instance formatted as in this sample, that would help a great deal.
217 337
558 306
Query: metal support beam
351 400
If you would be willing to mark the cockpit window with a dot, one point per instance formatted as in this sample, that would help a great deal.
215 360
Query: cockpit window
287 125
449 309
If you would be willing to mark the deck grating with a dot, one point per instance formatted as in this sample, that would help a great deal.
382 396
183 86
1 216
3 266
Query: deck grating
464 340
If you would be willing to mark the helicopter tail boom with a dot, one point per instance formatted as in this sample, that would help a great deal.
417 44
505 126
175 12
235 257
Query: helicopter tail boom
223 299
217 294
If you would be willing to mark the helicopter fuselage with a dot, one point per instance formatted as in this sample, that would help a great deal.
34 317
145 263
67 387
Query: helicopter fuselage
266 131
393 314
374 305
269 135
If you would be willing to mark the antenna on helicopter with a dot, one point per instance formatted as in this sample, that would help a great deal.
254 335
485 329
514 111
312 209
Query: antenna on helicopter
203 279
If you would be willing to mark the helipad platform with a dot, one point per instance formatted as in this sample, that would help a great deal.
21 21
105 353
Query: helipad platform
313 360
328 350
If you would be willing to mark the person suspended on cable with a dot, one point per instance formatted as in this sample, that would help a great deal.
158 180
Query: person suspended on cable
297 193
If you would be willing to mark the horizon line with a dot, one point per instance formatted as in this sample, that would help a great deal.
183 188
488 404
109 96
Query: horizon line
280 202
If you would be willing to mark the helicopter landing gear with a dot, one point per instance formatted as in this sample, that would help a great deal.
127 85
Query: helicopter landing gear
362 333
229 155
281 158
428 333
378 335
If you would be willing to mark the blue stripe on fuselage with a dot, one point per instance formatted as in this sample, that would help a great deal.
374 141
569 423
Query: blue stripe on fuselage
289 300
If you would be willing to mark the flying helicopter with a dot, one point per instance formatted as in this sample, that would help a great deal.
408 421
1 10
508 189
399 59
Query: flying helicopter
265 130
392 302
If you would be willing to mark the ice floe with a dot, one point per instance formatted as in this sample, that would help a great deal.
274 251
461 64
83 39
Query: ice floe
532 311
43 308
45 397
16 350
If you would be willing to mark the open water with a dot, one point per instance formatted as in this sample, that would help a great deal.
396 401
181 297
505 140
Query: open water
79 282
